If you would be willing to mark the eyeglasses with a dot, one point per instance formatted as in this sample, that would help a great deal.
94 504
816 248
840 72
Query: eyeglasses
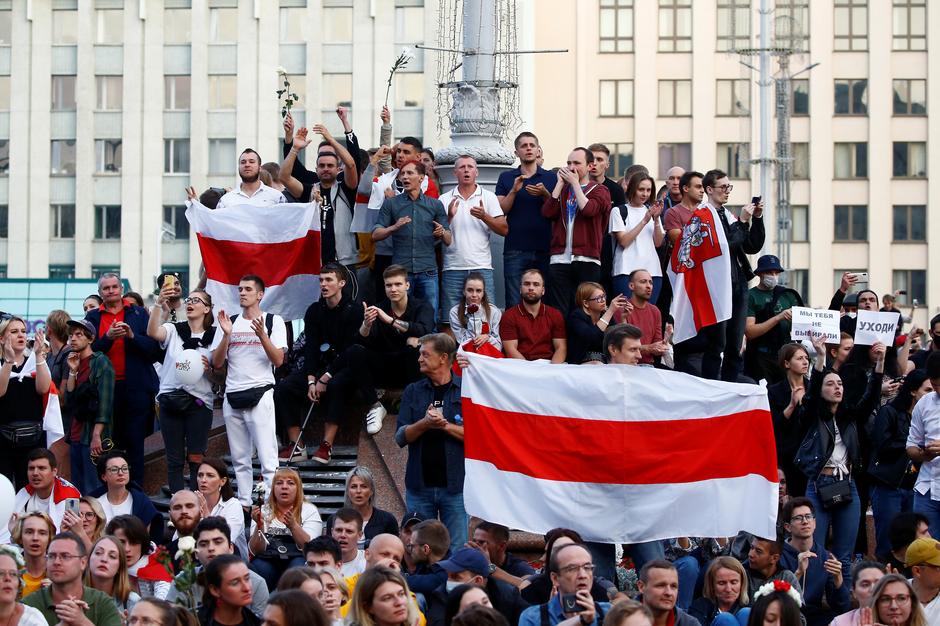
725 187
803 518
119 470
901 600
61 556
196 301
573 569
600 298
11 574
88 515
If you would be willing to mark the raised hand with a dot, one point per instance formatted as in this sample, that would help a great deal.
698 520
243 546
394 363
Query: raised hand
225 323
257 325
537 190
300 139
385 115
402 222
478 211
191 193
321 130
452 207
288 128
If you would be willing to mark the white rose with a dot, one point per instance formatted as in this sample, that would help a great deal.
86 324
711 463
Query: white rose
280 70
186 544
407 54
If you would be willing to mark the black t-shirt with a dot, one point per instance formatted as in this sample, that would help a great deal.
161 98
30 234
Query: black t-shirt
617 194
21 402
433 453
328 214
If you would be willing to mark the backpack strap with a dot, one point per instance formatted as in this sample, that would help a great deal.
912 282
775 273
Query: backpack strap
543 616
269 323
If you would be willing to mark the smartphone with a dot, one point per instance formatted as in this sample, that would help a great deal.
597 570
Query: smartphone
755 200
862 277
569 603
168 281
71 504
218 190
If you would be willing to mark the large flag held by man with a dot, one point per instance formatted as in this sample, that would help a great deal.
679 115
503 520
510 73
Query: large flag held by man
278 242
618 453
700 274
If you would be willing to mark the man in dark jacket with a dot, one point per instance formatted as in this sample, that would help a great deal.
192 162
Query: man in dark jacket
471 566
121 333
745 236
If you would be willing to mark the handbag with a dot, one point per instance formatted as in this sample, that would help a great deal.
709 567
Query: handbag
280 547
22 435
247 398
835 493
178 401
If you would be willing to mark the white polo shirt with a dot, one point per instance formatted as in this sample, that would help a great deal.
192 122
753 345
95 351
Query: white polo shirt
263 196
470 248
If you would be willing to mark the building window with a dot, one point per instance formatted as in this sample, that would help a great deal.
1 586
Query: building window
4 93
98 271
914 282
110 93
176 92
4 157
733 98
910 25
109 26
910 222
910 96
851 25
671 154
222 92
621 157
64 27
4 221
799 222
616 98
292 24
174 219
222 156
799 165
63 93
62 221
409 90
910 159
108 222
851 160
338 24
851 96
108 156
175 156
791 24
63 157
409 25
616 26
6 27
177 26
799 96
675 25
734 25
798 280
61 272
851 222
223 25
734 158
675 98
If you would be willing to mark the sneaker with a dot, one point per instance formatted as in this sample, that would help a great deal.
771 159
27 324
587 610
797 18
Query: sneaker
374 418
324 453
299 455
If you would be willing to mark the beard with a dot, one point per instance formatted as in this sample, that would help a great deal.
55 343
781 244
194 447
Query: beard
531 298
250 179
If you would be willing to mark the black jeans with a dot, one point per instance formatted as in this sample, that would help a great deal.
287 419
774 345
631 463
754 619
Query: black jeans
732 365
360 370
701 355
184 432
13 462
290 402
564 281
132 417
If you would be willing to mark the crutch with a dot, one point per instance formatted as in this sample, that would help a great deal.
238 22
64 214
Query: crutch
303 427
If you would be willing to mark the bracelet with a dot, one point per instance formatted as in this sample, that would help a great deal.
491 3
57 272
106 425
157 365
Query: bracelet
38 363
310 383
73 374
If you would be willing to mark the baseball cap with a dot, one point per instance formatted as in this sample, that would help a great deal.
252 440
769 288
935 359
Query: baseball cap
411 517
83 324
922 551
466 559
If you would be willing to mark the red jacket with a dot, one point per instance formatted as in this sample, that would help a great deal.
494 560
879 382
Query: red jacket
590 223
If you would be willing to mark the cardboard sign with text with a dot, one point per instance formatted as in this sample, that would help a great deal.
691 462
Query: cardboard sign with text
875 326
807 322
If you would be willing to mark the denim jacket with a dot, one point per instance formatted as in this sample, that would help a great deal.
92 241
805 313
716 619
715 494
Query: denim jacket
414 405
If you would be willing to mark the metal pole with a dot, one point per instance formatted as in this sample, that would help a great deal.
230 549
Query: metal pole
765 102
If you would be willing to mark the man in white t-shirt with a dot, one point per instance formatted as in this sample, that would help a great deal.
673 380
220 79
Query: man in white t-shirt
347 526
251 190
45 492
473 213
923 557
254 343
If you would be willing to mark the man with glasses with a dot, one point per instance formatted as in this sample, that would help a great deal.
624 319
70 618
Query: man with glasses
923 557
572 573
818 571
67 601
745 236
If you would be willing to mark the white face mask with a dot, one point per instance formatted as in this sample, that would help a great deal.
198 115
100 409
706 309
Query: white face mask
450 585
851 314
769 281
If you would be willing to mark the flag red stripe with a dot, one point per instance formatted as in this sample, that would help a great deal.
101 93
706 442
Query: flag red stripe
228 261
614 452
696 289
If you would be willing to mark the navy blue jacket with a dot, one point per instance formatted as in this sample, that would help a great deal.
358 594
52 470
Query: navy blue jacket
140 352
816 583
143 509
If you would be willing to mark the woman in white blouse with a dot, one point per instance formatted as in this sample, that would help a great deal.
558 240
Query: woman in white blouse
216 498
637 232
473 318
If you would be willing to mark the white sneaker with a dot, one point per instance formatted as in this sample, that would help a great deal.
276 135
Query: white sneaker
374 418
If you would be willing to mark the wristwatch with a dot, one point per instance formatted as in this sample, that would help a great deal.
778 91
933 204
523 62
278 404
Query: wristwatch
492 567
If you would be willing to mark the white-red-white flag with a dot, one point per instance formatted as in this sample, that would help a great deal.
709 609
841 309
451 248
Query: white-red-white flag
700 273
279 243
52 413
618 453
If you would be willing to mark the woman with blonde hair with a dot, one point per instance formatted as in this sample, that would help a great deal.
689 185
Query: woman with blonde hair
107 572
12 611
382 598
628 613
334 595
89 524
33 532
589 320
894 603
724 596
281 527
22 396
360 495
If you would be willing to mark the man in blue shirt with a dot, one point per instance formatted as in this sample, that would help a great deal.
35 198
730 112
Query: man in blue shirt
415 222
521 192
572 572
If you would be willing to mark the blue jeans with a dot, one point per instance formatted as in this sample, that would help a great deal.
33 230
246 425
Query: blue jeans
641 553
424 287
885 504
434 502
688 569
930 509
603 555
84 474
452 288
738 619
843 518
272 569
515 262
621 284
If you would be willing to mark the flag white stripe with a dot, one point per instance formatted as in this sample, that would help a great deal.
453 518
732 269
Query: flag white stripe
280 299
273 223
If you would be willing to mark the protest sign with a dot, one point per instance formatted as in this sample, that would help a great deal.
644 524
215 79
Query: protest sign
807 322
875 326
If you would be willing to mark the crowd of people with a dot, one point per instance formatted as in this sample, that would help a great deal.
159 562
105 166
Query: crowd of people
406 286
